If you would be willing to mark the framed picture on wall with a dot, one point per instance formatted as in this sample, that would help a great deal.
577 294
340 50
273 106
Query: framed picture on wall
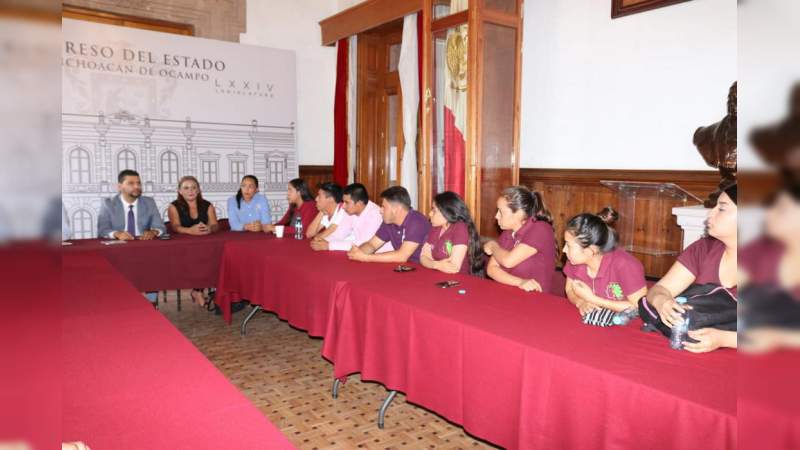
621 8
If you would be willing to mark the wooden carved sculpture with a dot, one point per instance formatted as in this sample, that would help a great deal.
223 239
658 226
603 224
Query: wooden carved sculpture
717 145
779 144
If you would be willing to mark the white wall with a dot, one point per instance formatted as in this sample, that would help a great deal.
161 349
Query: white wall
769 34
597 93
625 93
292 25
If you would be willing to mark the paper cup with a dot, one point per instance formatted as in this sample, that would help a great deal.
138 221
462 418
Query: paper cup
279 231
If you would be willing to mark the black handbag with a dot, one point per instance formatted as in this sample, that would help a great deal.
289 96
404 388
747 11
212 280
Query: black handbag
712 307
769 305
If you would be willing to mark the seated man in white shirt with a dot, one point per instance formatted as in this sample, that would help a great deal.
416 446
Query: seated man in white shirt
357 225
329 205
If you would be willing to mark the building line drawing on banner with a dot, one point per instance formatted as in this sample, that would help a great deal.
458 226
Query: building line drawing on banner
96 147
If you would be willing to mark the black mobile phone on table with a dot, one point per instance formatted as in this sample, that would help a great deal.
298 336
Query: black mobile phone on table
403 268
448 284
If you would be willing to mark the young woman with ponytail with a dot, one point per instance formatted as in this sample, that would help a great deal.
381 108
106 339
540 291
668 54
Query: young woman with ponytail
601 277
247 210
301 204
453 244
524 254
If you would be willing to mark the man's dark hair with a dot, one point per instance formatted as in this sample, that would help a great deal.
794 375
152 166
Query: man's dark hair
126 173
357 192
331 189
397 194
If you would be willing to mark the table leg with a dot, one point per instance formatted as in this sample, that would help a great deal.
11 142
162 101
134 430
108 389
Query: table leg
385 406
335 389
253 312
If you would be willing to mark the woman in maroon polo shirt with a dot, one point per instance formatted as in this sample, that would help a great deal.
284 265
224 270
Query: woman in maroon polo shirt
770 267
301 204
601 277
453 244
524 254
711 259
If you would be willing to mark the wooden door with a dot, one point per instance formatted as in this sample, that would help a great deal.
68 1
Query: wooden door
392 132
369 109
379 108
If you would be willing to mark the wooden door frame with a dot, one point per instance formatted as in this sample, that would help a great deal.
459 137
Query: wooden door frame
424 188
365 16
478 16
372 13
96 15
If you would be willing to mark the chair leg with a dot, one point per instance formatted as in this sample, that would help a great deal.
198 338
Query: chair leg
253 312
165 295
335 389
384 407
179 299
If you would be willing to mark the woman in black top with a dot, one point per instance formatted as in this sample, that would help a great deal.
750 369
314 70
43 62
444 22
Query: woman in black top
191 214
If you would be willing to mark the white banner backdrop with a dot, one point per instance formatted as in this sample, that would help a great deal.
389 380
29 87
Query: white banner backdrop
167 106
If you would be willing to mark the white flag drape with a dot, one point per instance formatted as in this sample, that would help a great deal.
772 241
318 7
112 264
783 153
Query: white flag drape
408 68
352 105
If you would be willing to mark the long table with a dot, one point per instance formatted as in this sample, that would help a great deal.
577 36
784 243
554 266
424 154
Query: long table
30 330
132 381
515 368
521 370
287 277
181 262
518 369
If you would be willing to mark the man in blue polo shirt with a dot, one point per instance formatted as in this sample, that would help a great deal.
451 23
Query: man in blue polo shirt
403 227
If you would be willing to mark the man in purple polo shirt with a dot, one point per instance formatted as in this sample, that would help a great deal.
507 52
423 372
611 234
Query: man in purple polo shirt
403 227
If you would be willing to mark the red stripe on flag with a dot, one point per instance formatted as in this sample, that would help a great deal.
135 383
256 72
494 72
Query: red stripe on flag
454 155
340 115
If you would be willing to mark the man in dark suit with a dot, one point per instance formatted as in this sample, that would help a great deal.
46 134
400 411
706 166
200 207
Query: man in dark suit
128 215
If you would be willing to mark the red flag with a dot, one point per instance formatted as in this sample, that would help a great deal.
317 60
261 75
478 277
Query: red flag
340 115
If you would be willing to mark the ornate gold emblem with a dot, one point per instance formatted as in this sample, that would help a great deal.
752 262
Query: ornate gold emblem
457 58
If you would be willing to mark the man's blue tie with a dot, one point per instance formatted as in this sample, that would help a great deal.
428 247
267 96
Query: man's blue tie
131 221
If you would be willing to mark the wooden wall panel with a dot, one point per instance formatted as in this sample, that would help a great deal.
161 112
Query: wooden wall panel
314 175
568 192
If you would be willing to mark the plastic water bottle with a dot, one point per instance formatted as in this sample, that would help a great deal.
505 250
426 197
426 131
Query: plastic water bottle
680 330
624 316
298 228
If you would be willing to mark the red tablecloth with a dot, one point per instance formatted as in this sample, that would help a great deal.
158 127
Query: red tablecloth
179 263
287 277
131 380
520 370
769 401
30 330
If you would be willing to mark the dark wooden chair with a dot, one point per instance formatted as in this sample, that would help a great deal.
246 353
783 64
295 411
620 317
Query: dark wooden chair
177 291
559 283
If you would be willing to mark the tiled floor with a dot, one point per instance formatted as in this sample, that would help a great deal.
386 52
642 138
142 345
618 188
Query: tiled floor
282 372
